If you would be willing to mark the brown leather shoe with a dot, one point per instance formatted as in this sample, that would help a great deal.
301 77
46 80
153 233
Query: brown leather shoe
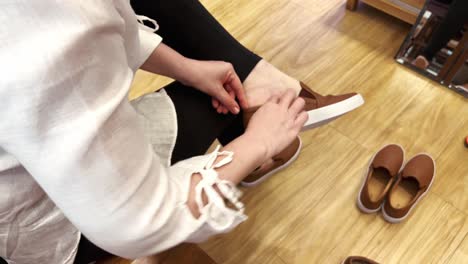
323 109
358 260
414 182
382 172
420 62
279 162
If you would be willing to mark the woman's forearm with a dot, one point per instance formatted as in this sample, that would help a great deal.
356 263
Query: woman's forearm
217 79
168 62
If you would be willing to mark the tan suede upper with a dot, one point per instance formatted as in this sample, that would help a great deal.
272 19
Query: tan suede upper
420 168
389 158
359 260
312 100
315 100
278 161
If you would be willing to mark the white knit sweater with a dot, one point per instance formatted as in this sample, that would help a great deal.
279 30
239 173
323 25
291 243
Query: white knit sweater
75 156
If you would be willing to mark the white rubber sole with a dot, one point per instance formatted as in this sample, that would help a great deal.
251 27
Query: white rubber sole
268 175
394 220
359 203
321 116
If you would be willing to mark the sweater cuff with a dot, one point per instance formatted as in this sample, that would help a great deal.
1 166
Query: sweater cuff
216 217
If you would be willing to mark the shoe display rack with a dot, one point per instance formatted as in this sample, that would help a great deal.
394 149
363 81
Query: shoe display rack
423 33
406 10
449 60
457 61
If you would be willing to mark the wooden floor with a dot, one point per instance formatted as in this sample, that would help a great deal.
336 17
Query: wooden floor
307 214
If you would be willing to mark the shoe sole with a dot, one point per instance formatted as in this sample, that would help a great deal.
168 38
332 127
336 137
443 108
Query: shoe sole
321 116
394 220
360 205
269 174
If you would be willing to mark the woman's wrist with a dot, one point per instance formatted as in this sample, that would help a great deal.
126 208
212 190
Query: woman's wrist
168 62
249 154
188 74
259 143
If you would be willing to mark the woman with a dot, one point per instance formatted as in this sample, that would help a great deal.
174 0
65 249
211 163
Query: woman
75 156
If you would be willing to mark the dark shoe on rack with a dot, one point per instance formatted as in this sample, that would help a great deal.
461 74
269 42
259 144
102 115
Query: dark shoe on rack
411 186
420 62
380 175
358 260
277 163
463 89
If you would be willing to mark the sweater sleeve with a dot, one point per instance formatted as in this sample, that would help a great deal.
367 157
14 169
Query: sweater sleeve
149 41
68 122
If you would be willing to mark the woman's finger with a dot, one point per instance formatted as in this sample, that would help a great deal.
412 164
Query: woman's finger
221 109
238 88
230 92
297 107
227 101
300 120
287 98
214 102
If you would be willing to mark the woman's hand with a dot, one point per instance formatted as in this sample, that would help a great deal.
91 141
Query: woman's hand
277 123
219 80
271 129
215 78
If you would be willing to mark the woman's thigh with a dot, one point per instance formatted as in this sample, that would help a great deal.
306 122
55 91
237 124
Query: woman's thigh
198 122
190 29
88 252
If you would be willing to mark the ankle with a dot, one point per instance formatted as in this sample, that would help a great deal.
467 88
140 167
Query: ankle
266 80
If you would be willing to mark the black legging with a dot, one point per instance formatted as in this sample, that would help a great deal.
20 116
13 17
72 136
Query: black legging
453 22
190 29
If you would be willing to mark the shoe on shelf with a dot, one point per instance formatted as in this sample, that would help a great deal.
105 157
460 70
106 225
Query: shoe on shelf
323 109
412 185
381 174
420 62
358 260
463 89
278 162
